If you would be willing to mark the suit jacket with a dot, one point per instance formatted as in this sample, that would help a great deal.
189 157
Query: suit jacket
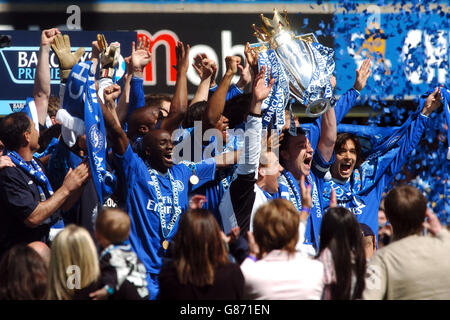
413 268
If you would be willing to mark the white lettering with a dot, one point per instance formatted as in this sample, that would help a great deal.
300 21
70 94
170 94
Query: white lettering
435 50
33 59
22 59
74 21
74 277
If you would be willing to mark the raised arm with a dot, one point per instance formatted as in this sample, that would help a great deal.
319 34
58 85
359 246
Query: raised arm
328 135
72 183
124 100
41 91
178 107
406 138
205 68
134 83
216 103
118 137
249 159
345 102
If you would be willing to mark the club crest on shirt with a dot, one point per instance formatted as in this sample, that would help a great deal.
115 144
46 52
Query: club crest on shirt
180 185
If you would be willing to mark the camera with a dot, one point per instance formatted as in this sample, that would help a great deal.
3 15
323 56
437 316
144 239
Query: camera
5 41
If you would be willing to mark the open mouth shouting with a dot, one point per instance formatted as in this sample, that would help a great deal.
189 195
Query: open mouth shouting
345 169
307 162
168 158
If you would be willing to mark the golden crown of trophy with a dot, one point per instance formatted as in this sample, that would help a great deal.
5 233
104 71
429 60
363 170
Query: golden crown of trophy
307 63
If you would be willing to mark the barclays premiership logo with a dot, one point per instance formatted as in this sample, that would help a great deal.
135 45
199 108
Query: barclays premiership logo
21 63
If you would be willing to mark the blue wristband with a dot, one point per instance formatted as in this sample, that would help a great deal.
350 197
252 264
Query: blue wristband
307 210
252 257
109 289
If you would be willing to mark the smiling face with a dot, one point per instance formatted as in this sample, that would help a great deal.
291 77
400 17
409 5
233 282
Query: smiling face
158 148
297 157
346 157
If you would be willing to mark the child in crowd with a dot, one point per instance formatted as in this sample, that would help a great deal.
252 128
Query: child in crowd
122 273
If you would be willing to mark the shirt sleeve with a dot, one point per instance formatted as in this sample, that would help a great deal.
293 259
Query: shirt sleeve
126 166
17 194
108 273
205 171
376 277
400 155
319 166
242 194
137 98
232 92
249 159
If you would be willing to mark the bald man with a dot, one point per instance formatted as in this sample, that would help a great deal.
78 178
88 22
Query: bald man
42 249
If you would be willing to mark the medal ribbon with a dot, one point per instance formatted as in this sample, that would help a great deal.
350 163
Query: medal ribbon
175 205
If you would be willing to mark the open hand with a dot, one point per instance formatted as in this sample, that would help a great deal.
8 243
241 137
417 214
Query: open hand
67 59
75 178
432 102
260 90
140 55
362 75
182 54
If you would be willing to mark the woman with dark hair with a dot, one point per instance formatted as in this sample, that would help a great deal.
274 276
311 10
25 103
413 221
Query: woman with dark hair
342 253
200 269
23 274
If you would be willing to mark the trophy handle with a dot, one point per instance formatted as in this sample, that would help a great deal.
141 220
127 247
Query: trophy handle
317 108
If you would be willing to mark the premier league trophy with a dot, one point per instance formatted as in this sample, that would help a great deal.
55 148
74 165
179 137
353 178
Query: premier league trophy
301 66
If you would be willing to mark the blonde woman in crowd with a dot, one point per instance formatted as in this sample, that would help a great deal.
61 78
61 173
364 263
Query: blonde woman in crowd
74 266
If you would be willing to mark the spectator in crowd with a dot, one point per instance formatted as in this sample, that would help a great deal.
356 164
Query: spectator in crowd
369 240
274 270
23 274
42 249
342 254
384 228
122 273
26 196
413 266
200 269
74 267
